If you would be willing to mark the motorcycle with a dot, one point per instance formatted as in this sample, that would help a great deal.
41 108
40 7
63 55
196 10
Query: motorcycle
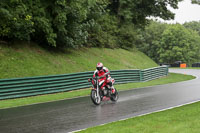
97 94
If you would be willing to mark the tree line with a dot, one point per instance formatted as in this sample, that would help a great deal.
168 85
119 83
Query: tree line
100 23
73 23
167 43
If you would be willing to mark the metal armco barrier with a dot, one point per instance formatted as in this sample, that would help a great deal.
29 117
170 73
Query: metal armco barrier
24 87
196 65
153 73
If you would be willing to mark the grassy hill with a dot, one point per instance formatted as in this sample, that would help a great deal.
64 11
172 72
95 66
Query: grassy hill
28 59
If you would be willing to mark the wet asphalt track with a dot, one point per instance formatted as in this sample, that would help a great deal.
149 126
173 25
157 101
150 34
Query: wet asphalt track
74 114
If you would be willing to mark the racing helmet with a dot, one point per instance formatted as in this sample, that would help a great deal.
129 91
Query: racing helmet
99 66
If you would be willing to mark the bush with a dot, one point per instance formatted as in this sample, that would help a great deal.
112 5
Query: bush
16 21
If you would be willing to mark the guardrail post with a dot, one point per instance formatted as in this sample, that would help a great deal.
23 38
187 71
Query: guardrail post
141 76
167 70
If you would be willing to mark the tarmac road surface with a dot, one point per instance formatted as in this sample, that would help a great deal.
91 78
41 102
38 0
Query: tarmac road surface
79 113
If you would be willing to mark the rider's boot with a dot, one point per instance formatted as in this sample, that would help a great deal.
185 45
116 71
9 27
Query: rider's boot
112 90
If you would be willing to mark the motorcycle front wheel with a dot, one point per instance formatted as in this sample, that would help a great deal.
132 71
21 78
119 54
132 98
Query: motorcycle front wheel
95 99
114 97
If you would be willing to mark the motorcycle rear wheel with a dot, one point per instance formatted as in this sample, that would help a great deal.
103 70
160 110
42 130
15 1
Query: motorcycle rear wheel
95 99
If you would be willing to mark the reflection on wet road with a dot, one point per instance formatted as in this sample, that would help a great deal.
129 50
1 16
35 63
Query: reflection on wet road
74 114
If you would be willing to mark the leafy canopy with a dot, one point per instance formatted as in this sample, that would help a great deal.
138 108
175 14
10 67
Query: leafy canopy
179 43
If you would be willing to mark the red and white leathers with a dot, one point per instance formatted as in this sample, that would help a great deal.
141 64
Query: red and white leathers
105 80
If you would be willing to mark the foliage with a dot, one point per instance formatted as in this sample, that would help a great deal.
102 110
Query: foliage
44 31
149 41
77 23
127 36
178 43
167 43
105 32
16 22
193 25
137 11
195 2
55 22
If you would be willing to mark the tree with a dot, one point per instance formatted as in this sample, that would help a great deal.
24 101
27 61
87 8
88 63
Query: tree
194 25
61 23
137 11
195 2
178 43
16 21
150 39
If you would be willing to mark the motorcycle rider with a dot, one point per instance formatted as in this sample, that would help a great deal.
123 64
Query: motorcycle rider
106 78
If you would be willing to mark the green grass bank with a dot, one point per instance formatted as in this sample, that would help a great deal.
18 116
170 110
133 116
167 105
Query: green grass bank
26 60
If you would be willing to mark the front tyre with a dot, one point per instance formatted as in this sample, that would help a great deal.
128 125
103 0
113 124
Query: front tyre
95 99
114 97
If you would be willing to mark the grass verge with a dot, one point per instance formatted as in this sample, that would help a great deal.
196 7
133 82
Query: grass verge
171 78
183 119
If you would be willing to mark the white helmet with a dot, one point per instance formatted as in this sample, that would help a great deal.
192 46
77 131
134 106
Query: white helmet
99 66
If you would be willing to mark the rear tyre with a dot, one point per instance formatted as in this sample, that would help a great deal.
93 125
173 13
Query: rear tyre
95 99
114 97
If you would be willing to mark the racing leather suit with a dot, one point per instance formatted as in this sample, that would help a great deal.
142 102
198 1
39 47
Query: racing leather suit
108 81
